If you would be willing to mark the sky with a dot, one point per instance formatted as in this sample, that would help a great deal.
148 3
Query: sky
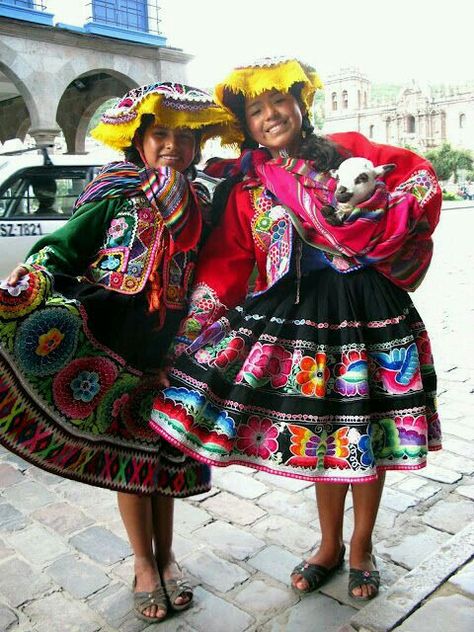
391 42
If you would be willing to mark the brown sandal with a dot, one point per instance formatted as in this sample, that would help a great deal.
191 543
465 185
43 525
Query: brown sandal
175 588
144 600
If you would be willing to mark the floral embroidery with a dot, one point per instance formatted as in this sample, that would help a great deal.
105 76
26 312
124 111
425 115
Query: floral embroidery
352 374
15 290
46 340
117 227
85 386
258 437
231 353
79 387
314 375
25 297
266 363
398 370
111 262
49 341
423 345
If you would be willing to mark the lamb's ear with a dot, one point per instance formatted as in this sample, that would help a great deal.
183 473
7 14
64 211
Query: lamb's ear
382 170
333 173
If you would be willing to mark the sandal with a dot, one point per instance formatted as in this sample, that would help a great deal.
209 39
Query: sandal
175 588
315 574
143 600
358 577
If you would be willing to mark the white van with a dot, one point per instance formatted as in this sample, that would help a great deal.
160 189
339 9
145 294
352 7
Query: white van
37 195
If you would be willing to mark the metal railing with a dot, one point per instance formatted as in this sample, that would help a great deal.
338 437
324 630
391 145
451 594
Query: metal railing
134 15
36 5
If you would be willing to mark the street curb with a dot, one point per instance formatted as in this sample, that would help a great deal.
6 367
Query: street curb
408 593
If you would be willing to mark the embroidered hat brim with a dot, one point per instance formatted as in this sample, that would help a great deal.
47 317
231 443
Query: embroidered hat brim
172 104
268 73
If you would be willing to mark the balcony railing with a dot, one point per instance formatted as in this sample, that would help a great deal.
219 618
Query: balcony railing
28 10
130 15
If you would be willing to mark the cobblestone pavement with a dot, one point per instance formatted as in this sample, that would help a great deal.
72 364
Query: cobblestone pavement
65 564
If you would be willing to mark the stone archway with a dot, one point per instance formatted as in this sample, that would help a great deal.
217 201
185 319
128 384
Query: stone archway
81 99
16 112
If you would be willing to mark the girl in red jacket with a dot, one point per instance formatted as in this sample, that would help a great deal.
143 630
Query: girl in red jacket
324 372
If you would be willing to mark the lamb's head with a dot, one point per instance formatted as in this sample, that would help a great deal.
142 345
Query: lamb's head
356 179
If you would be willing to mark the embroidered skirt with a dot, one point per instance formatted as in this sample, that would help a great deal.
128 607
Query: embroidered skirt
328 386
75 407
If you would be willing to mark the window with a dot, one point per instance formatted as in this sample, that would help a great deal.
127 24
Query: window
43 194
371 131
24 4
128 14
410 124
345 100
334 100
462 121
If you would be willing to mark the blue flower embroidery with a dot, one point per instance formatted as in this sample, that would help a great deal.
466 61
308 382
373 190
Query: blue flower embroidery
85 386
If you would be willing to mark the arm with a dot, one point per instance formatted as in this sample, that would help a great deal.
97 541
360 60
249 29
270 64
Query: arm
71 248
224 267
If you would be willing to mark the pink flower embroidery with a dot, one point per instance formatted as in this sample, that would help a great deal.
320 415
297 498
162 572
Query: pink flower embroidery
117 227
258 437
230 353
267 363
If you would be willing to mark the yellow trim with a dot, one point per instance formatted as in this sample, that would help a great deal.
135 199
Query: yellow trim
212 120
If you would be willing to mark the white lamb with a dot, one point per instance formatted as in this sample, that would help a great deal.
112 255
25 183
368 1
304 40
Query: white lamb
356 183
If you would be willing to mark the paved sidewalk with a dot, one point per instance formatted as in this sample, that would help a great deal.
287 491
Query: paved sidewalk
65 564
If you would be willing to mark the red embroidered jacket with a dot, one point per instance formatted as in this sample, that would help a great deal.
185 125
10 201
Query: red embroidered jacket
256 230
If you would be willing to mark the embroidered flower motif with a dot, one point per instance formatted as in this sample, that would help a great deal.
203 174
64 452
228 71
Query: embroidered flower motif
116 279
189 414
423 345
80 386
26 296
266 363
110 263
231 353
202 356
145 215
314 375
15 290
135 268
398 370
367 458
49 341
411 430
258 437
352 374
85 386
117 227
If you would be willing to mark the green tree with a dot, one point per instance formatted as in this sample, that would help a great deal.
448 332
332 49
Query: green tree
447 161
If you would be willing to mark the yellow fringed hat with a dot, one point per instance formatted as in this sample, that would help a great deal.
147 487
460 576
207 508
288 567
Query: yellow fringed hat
172 105
268 73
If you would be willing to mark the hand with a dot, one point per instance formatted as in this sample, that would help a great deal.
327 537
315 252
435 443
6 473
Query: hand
18 273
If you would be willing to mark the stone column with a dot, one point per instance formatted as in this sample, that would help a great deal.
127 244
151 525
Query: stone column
44 135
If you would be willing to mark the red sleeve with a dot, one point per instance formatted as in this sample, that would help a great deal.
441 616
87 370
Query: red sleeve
224 267
227 259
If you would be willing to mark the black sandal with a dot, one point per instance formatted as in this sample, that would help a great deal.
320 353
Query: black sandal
358 577
315 574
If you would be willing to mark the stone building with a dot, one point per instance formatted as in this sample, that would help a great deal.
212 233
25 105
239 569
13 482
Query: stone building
423 118
54 75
